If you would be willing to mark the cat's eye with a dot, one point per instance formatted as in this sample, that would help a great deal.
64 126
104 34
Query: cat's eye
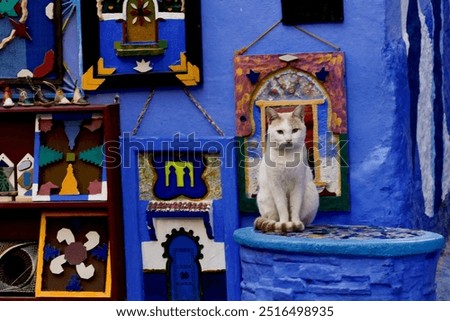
295 130
280 132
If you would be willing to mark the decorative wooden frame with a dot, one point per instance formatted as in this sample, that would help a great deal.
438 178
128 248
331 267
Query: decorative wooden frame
103 69
319 81
101 185
33 30
49 222
297 12
141 184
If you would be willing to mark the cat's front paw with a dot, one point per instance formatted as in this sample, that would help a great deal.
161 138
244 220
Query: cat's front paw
264 224
268 225
287 227
298 226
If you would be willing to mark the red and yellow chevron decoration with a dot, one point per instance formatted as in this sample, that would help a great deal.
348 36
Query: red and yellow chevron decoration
89 82
190 73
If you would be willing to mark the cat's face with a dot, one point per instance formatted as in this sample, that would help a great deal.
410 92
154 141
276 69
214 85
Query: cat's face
286 130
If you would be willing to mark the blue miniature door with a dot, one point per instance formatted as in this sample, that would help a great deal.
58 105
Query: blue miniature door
183 253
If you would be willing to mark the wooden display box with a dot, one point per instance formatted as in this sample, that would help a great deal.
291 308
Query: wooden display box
25 222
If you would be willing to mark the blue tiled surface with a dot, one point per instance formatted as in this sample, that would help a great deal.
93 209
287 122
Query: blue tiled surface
345 240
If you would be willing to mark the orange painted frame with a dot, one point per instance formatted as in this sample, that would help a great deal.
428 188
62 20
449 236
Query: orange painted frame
39 292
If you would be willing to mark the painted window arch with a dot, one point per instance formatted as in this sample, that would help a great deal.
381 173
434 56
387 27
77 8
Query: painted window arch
141 21
140 33
283 90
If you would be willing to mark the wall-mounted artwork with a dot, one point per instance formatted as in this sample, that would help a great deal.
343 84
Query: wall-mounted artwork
179 185
69 157
31 41
136 43
181 176
182 206
297 12
314 80
73 257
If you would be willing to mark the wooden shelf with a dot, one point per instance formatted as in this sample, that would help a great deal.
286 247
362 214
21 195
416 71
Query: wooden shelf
22 221
53 109
54 205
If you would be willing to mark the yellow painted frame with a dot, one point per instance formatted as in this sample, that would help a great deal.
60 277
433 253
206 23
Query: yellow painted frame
40 262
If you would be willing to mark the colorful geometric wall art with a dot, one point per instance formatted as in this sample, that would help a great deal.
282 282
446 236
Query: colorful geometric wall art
31 41
178 175
188 176
73 258
141 43
69 157
314 80
179 185
180 195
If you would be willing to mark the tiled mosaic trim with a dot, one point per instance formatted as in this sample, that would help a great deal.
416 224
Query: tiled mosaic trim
337 232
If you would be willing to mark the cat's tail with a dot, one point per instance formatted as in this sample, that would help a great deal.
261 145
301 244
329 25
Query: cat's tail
264 224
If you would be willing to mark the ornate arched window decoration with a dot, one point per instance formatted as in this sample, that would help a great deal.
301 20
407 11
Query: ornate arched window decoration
283 82
183 252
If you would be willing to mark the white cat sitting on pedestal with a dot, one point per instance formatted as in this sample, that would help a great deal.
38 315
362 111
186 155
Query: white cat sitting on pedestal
287 198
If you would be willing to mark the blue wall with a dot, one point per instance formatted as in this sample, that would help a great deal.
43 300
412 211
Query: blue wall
382 81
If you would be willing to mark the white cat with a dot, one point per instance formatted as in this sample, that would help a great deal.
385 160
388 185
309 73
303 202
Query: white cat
287 198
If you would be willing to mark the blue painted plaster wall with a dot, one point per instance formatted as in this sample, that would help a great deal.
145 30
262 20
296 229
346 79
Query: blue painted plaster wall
427 21
381 81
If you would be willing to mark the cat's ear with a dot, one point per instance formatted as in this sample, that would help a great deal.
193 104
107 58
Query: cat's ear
272 113
299 112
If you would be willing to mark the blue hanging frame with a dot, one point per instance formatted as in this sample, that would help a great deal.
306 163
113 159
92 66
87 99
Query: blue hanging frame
179 65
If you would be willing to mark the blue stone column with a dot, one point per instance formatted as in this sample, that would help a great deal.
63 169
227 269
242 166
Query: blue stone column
332 263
